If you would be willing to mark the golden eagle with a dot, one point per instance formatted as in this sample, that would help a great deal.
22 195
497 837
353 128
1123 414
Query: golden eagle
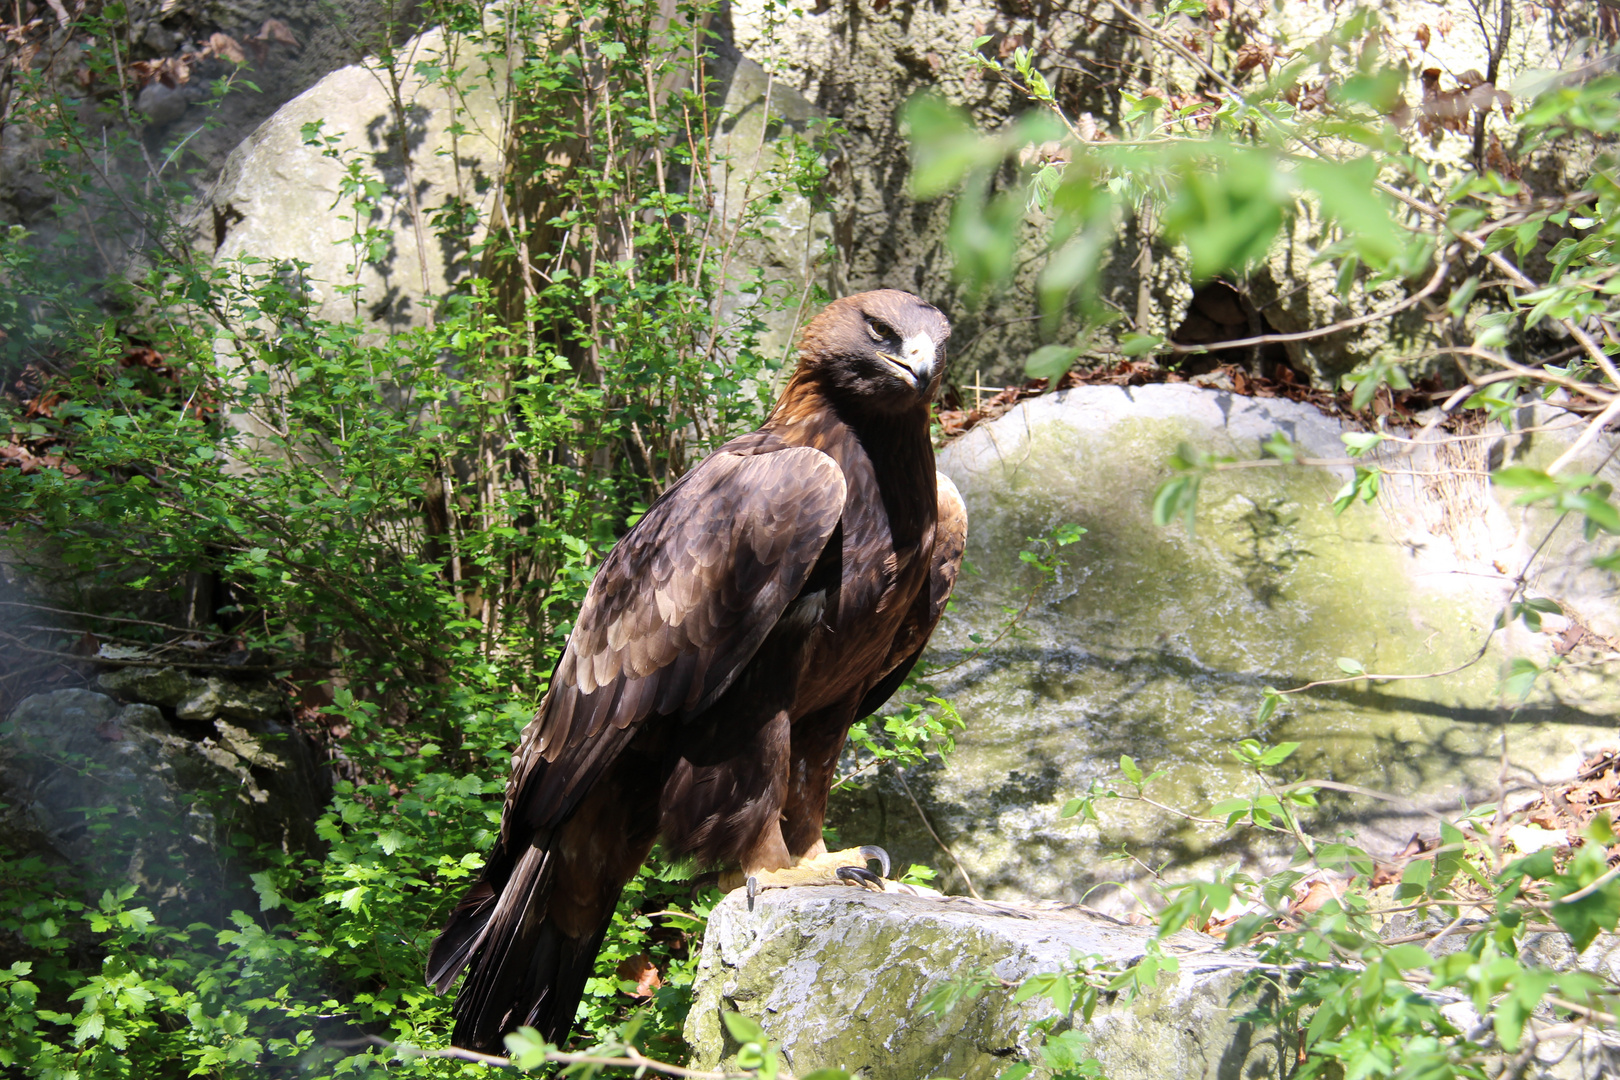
778 592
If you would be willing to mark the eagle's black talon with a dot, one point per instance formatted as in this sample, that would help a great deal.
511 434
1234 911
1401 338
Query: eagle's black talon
872 851
860 875
753 890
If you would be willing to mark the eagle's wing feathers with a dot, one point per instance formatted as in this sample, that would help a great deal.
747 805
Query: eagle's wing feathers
674 613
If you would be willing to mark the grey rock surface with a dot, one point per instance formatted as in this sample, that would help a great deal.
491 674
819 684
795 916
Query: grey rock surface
837 976
121 793
1156 643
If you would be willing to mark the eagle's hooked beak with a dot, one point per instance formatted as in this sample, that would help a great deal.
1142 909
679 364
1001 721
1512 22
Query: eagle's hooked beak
915 363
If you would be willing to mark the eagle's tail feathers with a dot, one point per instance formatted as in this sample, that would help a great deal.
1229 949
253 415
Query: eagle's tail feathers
461 935
522 967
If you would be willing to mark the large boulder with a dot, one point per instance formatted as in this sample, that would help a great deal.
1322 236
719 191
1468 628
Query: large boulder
286 192
837 977
1157 642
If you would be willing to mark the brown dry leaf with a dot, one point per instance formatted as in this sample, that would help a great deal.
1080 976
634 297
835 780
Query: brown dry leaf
278 32
1422 35
1318 893
1305 95
171 71
225 47
1572 634
18 35
639 969
1253 55
1444 23
1218 9
1496 159
1201 109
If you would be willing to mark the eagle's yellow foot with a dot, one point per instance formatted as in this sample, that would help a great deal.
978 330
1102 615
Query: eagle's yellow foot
823 868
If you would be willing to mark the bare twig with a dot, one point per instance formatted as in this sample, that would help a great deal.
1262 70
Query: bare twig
632 1059
1442 268
943 846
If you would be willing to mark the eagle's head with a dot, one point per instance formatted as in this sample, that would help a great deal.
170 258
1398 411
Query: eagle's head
885 348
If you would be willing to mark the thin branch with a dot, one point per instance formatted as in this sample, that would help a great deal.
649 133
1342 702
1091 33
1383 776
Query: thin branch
1442 268
633 1059
943 846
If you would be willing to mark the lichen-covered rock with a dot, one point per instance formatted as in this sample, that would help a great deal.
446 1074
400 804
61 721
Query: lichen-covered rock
194 697
837 976
1156 642
123 794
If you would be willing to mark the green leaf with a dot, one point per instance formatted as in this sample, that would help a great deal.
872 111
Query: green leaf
1597 508
1457 303
1135 344
1349 194
1349 666
1278 446
1128 766
269 897
527 1049
1408 956
1277 754
1536 484
1050 361
1359 442
1229 208
743 1028
1521 677
1176 497
945 146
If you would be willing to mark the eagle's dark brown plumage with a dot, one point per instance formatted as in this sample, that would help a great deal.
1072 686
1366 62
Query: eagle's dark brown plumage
775 594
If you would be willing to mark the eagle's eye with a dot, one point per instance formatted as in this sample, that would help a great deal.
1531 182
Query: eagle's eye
879 330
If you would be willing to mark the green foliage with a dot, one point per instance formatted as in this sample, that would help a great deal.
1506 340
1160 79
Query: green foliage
402 522
1328 981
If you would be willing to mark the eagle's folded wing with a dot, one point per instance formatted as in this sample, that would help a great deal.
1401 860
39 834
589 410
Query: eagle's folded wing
675 613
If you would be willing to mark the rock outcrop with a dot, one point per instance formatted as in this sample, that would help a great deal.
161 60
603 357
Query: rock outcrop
159 792
837 977
285 192
859 64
